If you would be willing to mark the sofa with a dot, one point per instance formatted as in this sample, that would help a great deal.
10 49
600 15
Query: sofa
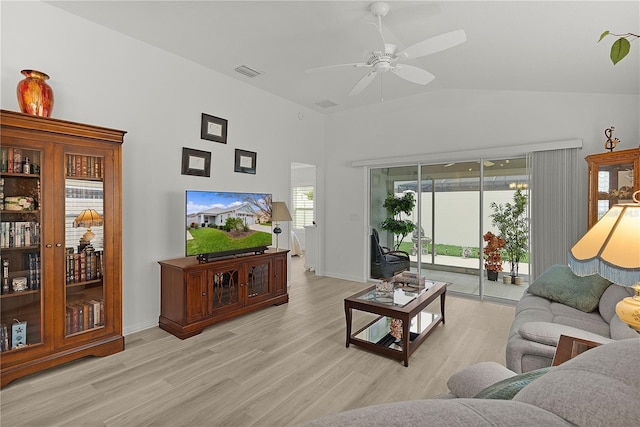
561 303
597 388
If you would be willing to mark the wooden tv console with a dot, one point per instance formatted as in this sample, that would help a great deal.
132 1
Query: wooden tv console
194 296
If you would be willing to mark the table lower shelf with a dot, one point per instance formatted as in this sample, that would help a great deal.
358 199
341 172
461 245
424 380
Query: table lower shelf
375 336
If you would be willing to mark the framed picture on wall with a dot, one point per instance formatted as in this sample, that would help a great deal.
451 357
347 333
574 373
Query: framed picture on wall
196 162
213 128
245 161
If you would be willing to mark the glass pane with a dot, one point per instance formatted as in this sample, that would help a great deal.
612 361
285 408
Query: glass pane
20 299
450 195
84 242
615 185
391 252
225 288
258 281
501 181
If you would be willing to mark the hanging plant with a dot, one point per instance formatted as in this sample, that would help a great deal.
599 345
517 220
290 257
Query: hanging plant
621 47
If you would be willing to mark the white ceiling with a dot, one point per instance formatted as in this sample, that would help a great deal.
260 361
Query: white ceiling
511 45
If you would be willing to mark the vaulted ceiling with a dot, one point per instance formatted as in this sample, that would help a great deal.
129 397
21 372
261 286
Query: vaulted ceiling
511 45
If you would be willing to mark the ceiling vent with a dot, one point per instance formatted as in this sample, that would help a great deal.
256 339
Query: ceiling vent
326 103
249 72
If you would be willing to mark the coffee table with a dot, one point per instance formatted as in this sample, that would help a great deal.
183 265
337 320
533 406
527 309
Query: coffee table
404 303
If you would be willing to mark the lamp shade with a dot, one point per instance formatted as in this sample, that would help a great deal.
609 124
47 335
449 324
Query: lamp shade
280 212
611 248
88 218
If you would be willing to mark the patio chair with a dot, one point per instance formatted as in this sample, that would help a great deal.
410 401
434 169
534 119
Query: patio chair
385 263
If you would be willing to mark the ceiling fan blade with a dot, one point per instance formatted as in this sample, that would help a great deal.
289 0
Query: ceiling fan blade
434 44
413 74
326 67
363 82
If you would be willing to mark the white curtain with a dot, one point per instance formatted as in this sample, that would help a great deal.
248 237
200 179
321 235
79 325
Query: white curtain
558 206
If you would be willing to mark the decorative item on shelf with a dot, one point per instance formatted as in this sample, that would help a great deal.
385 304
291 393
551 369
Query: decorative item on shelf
610 143
35 96
395 329
87 218
492 255
18 334
19 284
611 248
385 287
279 212
18 203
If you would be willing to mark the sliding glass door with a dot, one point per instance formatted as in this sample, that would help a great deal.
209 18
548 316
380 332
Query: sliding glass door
451 214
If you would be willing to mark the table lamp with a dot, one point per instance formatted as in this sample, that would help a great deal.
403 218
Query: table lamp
279 212
611 248
88 218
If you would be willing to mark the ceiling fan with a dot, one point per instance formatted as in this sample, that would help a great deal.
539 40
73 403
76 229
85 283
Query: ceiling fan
388 59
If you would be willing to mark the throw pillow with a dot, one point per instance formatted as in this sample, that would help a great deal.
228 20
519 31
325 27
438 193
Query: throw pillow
558 283
506 389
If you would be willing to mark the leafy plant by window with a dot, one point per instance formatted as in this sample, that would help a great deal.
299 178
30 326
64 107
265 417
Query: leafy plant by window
396 206
621 47
492 255
513 225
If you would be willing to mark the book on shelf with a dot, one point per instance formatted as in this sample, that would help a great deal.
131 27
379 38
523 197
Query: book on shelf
4 338
83 166
19 234
83 266
85 315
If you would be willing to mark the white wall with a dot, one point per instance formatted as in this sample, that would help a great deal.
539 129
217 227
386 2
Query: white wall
105 78
448 121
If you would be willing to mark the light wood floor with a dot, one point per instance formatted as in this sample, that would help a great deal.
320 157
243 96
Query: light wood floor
279 366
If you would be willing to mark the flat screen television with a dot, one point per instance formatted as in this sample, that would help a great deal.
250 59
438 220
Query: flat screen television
222 224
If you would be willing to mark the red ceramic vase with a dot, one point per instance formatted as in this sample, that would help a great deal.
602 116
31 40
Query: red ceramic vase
35 96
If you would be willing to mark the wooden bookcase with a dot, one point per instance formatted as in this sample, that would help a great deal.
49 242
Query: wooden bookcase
194 296
62 292
613 177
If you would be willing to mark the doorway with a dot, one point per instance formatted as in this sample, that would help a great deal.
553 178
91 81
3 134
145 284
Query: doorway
304 232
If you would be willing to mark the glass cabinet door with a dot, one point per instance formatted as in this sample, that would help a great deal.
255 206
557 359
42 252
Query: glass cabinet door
613 178
84 243
21 302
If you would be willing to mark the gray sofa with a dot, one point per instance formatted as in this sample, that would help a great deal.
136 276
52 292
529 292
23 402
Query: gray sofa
597 388
539 321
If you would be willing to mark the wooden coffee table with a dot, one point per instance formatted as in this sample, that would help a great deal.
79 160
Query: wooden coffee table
405 304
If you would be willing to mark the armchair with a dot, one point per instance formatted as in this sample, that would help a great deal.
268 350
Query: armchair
386 263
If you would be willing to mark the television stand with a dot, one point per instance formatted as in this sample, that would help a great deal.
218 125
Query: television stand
195 295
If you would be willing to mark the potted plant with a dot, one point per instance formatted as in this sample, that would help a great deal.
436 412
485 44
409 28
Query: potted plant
396 206
492 255
513 225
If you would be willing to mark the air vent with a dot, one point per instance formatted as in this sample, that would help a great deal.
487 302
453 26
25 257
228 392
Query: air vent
326 103
249 72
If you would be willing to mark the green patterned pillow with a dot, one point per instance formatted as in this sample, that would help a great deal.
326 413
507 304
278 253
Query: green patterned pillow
506 389
558 283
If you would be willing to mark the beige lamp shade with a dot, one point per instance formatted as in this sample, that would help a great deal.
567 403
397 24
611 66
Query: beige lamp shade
88 218
611 249
280 212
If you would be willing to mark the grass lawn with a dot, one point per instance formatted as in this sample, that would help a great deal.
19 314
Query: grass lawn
209 240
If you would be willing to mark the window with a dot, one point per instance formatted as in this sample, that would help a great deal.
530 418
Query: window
302 206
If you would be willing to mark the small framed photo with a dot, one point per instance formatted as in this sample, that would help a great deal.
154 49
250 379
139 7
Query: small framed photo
213 128
196 162
245 161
